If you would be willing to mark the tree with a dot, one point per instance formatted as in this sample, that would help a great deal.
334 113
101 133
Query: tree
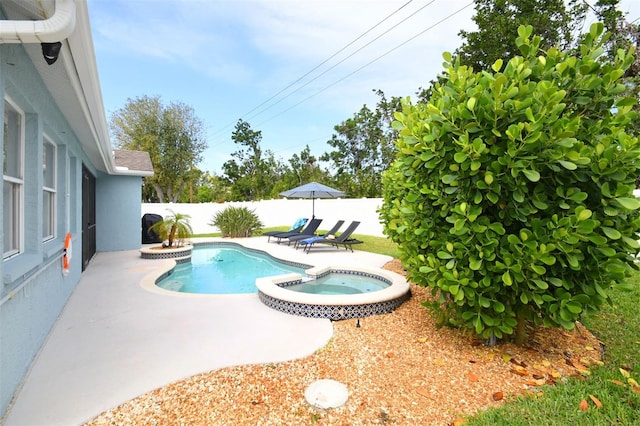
556 21
301 168
304 166
512 191
251 172
623 35
498 22
212 188
192 179
174 228
205 188
364 148
172 135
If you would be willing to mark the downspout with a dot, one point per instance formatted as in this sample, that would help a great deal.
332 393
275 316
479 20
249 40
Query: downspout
56 28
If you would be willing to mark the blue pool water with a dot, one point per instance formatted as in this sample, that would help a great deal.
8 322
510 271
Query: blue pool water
223 270
340 284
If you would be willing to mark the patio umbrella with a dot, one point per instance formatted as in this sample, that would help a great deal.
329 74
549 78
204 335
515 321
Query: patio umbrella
313 190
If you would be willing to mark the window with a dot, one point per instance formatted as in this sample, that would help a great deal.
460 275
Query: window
48 190
13 183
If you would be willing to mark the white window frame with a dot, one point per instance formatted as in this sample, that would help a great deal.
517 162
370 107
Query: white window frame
49 219
15 221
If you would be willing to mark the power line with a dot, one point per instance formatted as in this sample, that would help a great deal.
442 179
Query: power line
598 15
317 66
375 60
368 63
332 56
340 62
287 148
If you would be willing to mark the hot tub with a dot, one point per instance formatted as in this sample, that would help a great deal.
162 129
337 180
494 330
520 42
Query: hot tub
393 291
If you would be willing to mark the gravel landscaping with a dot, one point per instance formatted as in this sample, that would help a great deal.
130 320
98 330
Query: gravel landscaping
399 368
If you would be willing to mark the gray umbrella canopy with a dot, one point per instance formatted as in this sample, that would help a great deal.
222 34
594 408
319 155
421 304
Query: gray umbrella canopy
313 190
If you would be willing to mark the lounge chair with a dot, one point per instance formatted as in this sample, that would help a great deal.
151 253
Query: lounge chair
309 230
328 234
341 240
296 227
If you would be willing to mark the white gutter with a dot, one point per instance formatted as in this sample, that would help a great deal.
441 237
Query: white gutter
85 85
80 68
83 76
56 28
125 171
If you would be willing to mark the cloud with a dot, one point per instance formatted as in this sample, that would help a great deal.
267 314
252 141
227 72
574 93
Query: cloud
248 51
227 57
303 34
190 33
267 41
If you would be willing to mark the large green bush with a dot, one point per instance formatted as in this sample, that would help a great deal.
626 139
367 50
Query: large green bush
512 192
237 222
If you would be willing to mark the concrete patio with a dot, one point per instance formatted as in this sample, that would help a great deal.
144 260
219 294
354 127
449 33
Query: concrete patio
115 340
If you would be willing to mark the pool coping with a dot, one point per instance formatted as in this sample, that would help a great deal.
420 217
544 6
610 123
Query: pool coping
276 287
272 292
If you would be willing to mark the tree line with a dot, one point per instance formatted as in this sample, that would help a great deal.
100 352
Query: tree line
363 146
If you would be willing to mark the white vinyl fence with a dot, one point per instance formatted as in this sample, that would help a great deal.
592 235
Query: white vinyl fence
283 212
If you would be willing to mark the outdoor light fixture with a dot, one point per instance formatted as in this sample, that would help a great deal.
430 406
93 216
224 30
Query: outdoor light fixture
50 51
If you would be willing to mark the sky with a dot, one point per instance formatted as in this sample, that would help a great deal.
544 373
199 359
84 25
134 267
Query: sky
292 69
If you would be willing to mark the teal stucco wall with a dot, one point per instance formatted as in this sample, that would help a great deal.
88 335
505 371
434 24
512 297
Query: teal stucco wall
118 219
33 290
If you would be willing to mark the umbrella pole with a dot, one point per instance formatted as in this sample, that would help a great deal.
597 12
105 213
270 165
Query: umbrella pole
313 208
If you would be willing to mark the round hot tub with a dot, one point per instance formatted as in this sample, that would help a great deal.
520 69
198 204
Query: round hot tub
335 293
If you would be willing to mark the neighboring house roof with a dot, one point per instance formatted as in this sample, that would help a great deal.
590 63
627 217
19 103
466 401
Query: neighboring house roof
132 160
73 79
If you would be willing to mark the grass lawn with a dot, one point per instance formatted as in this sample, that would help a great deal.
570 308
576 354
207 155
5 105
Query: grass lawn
618 328
380 245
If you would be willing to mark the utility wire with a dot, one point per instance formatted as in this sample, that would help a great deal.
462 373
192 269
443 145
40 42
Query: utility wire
331 57
368 63
595 12
349 75
340 62
319 65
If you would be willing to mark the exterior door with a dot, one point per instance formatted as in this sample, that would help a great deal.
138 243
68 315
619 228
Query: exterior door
88 216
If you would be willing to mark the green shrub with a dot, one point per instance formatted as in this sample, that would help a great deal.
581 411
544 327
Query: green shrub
512 191
173 229
237 222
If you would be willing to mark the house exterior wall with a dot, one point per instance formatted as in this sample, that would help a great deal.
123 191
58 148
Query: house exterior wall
118 213
33 290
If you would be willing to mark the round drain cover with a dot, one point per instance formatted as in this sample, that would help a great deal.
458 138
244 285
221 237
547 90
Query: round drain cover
326 394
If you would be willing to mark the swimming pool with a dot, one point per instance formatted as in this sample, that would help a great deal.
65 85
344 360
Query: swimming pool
224 269
273 289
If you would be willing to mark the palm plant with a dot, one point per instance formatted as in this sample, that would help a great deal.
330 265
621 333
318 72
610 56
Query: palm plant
173 228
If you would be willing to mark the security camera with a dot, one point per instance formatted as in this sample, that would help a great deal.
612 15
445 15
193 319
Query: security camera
50 51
